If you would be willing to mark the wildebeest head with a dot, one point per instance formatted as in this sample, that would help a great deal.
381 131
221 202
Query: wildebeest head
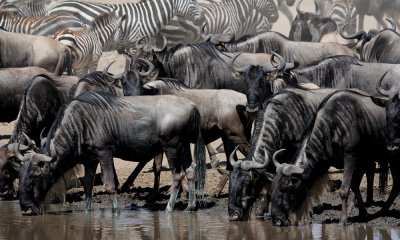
190 10
260 82
288 193
392 105
35 180
97 81
10 164
132 81
246 181
299 30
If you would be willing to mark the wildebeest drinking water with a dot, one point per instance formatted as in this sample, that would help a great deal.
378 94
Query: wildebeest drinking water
348 132
97 126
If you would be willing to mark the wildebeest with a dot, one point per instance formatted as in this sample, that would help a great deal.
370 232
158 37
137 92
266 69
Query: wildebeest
131 128
279 125
314 28
346 72
204 66
13 82
23 50
304 53
381 47
223 114
348 132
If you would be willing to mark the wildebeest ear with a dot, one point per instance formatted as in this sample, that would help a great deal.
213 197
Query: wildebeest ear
380 101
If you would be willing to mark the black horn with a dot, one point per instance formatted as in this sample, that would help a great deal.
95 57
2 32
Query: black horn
105 70
383 91
242 69
282 62
392 23
232 159
150 65
358 35
299 12
276 163
18 154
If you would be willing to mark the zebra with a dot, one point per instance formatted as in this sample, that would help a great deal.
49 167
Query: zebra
44 25
232 17
144 19
33 8
87 45
341 11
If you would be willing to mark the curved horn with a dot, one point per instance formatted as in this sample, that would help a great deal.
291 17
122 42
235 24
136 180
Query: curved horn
254 164
134 58
276 163
391 23
282 62
232 159
18 154
11 147
383 91
358 35
151 68
242 69
105 70
299 12
30 142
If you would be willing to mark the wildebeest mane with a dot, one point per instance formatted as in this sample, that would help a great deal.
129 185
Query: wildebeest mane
197 50
266 42
103 100
97 79
326 73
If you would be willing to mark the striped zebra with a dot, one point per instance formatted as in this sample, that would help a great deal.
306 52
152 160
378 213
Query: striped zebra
87 45
231 17
33 8
341 11
44 25
144 19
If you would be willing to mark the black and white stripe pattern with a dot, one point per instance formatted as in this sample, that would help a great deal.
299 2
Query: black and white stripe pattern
144 19
341 11
44 25
27 8
87 45
237 18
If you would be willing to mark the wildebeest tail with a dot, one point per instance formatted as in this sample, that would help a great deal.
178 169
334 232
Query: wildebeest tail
199 154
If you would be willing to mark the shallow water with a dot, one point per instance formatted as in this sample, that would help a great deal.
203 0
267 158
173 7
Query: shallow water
143 224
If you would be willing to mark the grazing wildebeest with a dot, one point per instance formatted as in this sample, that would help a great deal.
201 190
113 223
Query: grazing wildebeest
280 124
136 128
304 53
344 72
23 50
348 132
380 47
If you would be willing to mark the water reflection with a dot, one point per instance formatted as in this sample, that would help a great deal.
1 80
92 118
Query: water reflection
62 222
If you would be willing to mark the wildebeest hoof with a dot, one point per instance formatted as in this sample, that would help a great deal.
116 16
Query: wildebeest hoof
214 163
191 208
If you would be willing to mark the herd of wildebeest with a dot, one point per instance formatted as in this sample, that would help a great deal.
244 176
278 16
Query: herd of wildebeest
293 108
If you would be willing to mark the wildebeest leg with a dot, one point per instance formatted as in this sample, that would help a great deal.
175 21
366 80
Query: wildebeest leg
104 156
125 187
176 168
349 165
395 172
355 186
157 164
370 173
87 182
229 147
212 152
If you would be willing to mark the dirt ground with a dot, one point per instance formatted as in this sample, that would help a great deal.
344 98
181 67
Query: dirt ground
327 211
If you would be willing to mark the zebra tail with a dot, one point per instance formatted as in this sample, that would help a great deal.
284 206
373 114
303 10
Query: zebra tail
200 154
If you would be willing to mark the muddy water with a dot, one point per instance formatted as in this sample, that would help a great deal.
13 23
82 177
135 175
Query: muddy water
143 224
